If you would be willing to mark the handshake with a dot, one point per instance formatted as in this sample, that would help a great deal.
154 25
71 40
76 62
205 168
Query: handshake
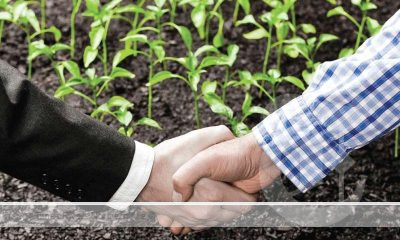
206 165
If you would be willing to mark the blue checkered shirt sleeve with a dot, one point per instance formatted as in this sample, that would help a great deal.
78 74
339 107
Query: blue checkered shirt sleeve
350 102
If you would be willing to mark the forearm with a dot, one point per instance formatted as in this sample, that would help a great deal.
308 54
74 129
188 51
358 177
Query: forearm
350 103
55 147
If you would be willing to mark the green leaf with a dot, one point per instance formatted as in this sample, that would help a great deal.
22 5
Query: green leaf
205 48
240 129
323 38
96 36
249 19
124 117
58 47
5 16
307 76
185 34
32 19
245 4
121 55
111 5
159 3
149 122
121 72
72 68
308 28
295 81
120 102
209 87
135 38
199 15
92 5
246 103
217 105
56 32
345 52
258 110
89 56
367 6
256 34
161 76
337 11
333 2
210 61
373 26
233 50
356 2
63 91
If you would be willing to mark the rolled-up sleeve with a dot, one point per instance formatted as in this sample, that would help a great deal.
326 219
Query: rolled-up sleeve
350 102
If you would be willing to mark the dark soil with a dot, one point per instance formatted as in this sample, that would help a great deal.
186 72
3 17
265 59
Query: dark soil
173 109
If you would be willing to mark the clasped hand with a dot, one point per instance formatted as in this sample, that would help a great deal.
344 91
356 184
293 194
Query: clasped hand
206 165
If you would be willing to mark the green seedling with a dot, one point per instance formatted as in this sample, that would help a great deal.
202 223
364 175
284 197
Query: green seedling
76 4
241 4
118 107
307 48
219 107
21 15
195 65
277 19
102 16
94 84
372 25
154 55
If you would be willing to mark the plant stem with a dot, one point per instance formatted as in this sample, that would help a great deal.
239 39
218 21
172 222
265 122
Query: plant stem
396 143
28 39
293 17
150 90
279 60
173 11
134 25
105 54
236 11
226 80
43 15
196 109
360 30
268 50
75 11
1 32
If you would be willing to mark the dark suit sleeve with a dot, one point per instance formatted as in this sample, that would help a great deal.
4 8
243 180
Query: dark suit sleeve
55 147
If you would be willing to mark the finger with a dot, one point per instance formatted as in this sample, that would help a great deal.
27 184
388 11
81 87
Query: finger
176 228
216 162
164 220
201 139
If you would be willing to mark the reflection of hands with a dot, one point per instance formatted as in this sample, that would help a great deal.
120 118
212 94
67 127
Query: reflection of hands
240 161
172 154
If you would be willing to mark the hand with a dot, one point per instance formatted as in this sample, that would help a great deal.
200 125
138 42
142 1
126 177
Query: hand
240 161
172 154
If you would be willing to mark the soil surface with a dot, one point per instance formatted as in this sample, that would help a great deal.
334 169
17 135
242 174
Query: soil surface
173 109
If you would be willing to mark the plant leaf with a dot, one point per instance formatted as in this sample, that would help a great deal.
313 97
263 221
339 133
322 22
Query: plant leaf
149 122
295 81
89 56
96 36
161 76
121 72
256 34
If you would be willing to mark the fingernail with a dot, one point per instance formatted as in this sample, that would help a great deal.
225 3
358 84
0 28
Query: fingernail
176 197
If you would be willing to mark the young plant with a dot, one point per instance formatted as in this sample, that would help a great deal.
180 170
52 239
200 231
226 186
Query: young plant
118 107
307 48
195 66
219 107
38 48
76 4
172 14
202 15
244 5
158 11
94 84
273 77
155 51
373 25
21 15
276 20
102 16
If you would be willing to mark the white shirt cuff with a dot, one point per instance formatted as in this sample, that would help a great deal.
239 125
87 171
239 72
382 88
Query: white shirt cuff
137 178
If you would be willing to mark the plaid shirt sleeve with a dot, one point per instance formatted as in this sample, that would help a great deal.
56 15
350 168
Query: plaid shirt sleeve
350 102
